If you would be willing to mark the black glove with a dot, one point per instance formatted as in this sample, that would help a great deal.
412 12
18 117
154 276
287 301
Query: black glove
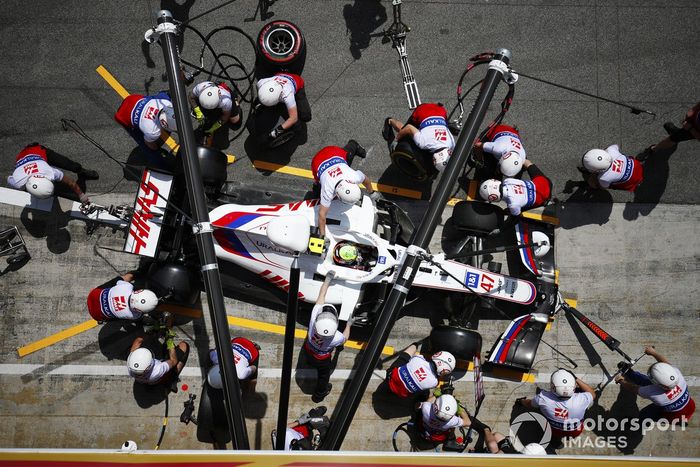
519 401
276 132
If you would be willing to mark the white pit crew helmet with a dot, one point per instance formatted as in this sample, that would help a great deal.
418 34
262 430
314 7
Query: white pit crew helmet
445 407
214 377
534 449
563 383
596 161
209 98
348 192
509 164
490 190
39 187
664 375
326 322
166 117
270 93
441 158
543 239
140 361
444 362
143 301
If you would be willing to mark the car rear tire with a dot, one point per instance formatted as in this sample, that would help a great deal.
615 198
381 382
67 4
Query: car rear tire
476 217
280 43
461 342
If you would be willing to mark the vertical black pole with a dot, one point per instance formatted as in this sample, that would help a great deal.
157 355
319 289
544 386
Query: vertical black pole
288 353
203 231
354 391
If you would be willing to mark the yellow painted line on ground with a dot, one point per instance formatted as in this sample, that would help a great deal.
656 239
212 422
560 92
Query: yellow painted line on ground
540 217
471 192
304 173
191 312
571 301
55 338
112 81
298 333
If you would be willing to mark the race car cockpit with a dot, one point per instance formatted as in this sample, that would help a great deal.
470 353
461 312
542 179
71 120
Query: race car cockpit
354 255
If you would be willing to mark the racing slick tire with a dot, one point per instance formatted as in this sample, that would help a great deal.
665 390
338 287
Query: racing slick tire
461 342
212 164
267 119
173 280
477 217
281 47
413 161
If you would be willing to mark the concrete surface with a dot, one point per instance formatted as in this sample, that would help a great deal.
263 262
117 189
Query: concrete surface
632 265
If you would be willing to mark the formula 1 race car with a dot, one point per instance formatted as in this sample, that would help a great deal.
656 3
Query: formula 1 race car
364 245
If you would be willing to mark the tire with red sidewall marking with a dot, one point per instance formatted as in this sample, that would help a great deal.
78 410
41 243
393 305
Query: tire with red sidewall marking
280 43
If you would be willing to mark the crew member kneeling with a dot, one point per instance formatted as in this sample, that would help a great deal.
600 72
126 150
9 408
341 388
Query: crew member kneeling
519 195
117 299
411 373
562 406
610 168
246 355
439 416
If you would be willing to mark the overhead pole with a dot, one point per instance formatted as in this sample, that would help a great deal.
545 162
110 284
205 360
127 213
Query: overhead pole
353 393
166 32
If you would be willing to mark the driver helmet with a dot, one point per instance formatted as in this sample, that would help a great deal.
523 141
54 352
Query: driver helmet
327 321
270 93
143 301
209 97
39 186
664 375
445 407
444 362
563 383
348 192
596 161
140 361
346 254
441 158
166 117
490 190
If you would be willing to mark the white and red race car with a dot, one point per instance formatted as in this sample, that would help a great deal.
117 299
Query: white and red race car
243 236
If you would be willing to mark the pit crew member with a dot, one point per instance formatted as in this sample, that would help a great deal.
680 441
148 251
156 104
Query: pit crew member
287 88
117 299
503 142
428 128
146 118
610 168
331 169
411 373
664 386
246 355
37 168
299 434
562 406
214 105
146 369
439 416
519 195
323 336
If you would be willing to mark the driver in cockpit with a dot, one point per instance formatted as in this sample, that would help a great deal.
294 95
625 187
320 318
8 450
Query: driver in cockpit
353 255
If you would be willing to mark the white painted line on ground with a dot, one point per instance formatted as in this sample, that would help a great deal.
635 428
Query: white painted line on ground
24 200
271 373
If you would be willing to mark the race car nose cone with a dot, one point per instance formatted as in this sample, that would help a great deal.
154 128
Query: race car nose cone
289 232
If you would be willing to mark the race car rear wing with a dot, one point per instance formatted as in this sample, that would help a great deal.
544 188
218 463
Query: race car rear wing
144 230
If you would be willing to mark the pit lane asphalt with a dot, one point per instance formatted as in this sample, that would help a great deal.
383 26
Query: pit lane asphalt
639 52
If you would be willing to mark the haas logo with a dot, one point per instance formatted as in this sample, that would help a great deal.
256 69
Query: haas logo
561 413
420 374
673 392
518 190
31 168
617 166
119 303
441 135
150 113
